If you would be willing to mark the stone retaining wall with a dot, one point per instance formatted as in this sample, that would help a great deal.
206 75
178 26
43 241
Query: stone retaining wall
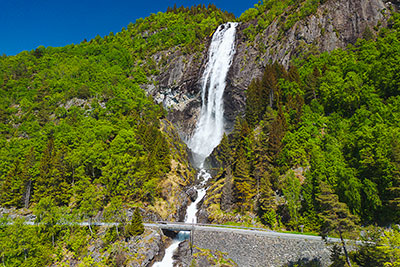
250 249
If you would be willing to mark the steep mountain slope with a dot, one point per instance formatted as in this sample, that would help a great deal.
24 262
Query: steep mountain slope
79 137
278 31
274 31
312 104
316 122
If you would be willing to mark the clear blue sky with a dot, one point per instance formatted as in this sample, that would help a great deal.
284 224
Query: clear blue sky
27 24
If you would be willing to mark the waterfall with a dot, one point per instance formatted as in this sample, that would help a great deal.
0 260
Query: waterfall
210 126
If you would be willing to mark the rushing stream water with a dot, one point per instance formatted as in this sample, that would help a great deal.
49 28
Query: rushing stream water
210 127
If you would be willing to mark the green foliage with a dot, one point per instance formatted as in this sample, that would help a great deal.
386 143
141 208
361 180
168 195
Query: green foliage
287 11
292 192
135 226
77 131
317 145
47 216
333 119
335 216
380 248
77 127
23 245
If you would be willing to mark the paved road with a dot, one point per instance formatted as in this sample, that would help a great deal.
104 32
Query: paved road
180 226
237 229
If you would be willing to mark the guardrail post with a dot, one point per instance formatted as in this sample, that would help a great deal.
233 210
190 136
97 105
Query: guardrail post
191 238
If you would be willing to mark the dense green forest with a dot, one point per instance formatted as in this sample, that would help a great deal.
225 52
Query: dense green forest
79 136
75 117
326 130
336 115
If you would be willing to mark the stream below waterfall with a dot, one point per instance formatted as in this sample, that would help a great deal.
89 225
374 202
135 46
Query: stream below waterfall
210 126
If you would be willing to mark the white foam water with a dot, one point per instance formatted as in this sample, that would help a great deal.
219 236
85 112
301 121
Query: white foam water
201 192
210 127
168 260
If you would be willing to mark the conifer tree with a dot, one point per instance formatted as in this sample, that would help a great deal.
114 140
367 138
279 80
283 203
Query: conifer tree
135 227
227 190
59 178
293 74
224 152
256 102
395 188
244 189
278 128
335 215
266 201
270 85
312 84
29 174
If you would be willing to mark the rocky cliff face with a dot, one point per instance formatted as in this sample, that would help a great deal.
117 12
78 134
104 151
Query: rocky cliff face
178 86
335 24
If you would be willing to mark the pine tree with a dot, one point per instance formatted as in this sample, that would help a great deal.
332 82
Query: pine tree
244 189
395 188
293 74
227 190
335 215
278 128
312 84
135 227
224 152
256 102
29 174
269 83
266 201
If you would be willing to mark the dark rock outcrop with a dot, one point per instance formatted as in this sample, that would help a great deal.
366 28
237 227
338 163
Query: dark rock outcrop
192 193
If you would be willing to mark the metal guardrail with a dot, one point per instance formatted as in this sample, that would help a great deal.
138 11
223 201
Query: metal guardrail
182 226
212 225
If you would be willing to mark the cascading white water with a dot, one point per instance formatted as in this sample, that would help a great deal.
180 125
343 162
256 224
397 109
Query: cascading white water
210 127
201 192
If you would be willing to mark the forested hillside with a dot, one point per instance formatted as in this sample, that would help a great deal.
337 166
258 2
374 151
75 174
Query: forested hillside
75 117
318 140
331 118
78 132
322 134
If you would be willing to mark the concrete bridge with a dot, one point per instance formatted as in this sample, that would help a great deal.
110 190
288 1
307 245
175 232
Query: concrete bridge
173 226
